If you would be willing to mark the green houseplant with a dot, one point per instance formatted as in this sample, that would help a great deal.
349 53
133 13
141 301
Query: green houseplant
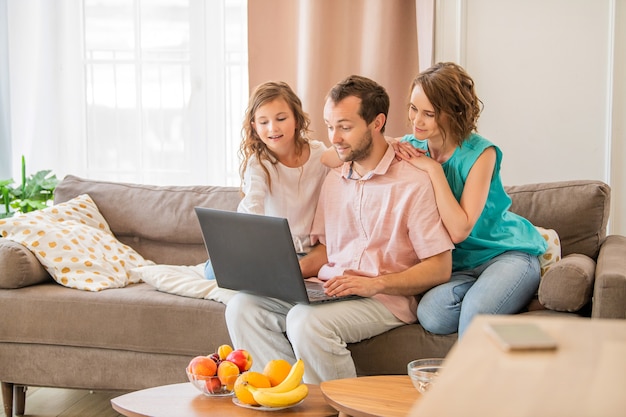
34 192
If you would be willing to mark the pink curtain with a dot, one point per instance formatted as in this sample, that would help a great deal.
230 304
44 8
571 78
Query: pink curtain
312 44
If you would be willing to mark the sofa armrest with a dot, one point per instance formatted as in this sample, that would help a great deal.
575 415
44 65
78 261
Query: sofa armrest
568 284
609 295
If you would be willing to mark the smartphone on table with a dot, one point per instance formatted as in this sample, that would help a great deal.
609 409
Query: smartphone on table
520 336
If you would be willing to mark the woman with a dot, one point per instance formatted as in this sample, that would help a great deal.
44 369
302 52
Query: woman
495 265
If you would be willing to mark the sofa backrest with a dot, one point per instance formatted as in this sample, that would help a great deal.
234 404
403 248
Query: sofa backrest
578 211
159 222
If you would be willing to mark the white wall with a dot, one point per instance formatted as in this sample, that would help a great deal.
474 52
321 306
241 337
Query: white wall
551 75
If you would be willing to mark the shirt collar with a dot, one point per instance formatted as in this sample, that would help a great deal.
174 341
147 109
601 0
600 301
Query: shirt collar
381 169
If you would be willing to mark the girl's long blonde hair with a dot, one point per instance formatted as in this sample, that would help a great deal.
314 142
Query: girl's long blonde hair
252 144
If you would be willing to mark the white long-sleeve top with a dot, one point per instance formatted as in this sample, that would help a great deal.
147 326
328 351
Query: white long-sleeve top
294 193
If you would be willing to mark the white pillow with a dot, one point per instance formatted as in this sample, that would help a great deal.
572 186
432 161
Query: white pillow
75 245
187 281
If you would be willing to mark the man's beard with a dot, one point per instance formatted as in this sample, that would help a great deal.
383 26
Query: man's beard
363 151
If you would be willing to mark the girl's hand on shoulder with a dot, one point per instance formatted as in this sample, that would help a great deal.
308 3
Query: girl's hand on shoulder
330 158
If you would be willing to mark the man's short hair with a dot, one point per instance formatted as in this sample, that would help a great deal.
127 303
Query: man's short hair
374 97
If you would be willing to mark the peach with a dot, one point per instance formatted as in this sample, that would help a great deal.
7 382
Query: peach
213 385
228 372
223 351
201 365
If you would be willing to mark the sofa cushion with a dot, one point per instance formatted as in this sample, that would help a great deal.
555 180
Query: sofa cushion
578 211
159 222
74 244
568 285
136 318
19 266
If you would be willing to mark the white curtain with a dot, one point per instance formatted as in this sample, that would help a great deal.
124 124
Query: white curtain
50 120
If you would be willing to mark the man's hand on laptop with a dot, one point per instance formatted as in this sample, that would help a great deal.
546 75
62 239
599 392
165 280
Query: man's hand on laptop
343 285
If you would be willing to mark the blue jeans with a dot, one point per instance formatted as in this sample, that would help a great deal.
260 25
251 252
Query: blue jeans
503 285
208 270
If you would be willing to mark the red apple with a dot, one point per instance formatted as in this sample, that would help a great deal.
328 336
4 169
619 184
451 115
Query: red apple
241 358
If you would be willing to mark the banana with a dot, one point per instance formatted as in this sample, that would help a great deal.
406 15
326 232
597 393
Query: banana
291 381
279 399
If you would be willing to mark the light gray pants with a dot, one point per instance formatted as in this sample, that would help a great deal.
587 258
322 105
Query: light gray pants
318 334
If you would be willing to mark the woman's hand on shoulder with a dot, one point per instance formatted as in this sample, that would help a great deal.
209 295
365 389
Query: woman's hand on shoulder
416 157
404 150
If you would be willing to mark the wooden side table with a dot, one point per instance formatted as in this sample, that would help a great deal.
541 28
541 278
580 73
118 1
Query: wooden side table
185 400
584 376
388 395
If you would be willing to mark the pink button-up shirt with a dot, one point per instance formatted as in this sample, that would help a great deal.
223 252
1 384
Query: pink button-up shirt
381 223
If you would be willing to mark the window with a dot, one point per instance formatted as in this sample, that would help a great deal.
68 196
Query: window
165 90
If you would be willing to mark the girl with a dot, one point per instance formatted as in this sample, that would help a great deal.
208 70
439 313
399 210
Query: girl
495 265
281 169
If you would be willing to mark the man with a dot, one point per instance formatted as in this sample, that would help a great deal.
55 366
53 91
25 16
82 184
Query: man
380 237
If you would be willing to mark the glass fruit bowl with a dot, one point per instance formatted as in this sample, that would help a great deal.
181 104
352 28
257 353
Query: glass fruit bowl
423 372
210 386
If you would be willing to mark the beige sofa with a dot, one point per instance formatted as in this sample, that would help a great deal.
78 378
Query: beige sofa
137 337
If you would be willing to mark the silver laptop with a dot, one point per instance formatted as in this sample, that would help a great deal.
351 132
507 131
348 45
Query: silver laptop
255 253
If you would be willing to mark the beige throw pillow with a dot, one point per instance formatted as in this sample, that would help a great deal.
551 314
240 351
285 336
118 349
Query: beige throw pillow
74 244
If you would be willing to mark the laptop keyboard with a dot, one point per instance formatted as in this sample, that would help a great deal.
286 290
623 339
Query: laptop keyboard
315 294
315 291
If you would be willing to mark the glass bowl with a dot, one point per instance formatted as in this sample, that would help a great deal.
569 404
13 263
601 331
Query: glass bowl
423 372
210 386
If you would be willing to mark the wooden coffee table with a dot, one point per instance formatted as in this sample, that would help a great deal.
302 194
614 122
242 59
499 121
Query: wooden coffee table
185 400
388 395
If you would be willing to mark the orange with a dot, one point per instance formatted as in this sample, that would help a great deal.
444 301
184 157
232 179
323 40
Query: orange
276 371
202 366
256 379
227 372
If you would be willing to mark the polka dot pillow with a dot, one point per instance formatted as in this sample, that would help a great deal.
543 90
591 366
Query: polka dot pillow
75 245
553 254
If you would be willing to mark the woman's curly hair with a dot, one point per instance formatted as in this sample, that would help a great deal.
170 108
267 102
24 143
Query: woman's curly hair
450 90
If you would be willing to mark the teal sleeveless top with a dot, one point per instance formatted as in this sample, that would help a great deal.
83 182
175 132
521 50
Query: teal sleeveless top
497 230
